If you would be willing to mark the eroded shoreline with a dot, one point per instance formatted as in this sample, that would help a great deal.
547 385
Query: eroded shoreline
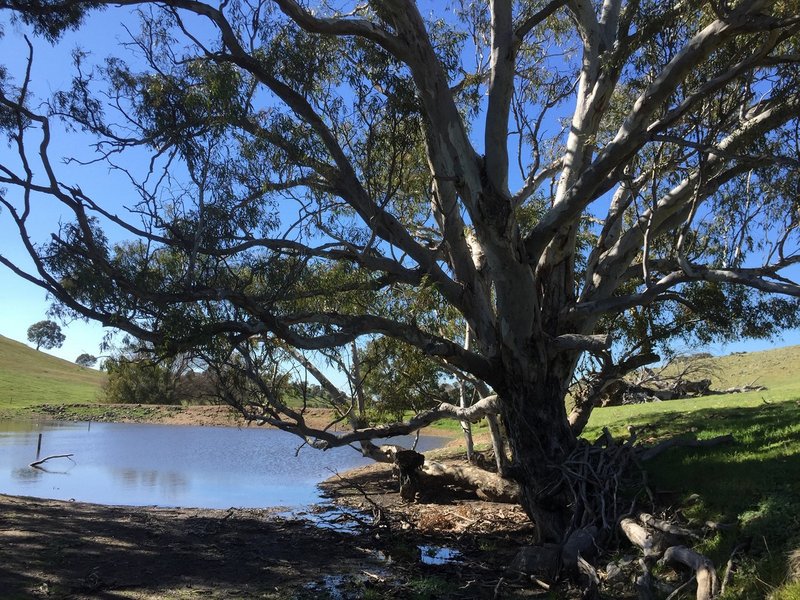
156 414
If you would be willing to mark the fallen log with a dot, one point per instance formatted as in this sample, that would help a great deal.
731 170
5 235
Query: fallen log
743 389
705 574
487 485
36 463
689 441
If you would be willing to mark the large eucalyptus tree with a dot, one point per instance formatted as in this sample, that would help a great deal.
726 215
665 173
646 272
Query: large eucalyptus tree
556 176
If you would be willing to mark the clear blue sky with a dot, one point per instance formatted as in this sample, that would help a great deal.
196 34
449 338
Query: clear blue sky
22 303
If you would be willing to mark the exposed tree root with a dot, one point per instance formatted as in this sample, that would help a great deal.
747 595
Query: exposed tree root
705 575
595 475
653 543
658 540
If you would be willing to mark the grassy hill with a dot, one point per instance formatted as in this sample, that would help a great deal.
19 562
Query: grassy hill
29 377
771 368
752 484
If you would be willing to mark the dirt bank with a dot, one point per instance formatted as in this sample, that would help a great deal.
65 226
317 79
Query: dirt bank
204 416
58 549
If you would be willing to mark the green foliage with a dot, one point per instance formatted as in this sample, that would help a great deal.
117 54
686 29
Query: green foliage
86 360
140 380
51 18
46 334
141 377
398 378
790 591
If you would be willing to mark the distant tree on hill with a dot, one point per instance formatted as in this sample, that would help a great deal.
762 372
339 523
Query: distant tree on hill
86 360
46 334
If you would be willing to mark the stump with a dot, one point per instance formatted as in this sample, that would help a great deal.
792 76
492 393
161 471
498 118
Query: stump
408 463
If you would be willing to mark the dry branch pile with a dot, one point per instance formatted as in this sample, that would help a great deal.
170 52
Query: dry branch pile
596 475
651 386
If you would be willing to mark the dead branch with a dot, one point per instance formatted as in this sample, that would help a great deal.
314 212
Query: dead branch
707 582
678 590
689 441
36 463
730 567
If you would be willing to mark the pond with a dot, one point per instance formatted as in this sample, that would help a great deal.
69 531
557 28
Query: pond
163 465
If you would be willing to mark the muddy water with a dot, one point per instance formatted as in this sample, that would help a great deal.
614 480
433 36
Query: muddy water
161 465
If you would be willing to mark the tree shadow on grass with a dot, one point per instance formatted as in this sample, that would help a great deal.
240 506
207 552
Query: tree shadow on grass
754 481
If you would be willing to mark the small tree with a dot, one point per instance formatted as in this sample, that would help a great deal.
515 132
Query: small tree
86 360
135 379
46 334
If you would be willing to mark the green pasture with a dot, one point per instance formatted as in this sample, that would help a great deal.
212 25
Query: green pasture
28 378
752 486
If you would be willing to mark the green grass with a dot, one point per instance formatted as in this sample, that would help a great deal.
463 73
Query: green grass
754 483
28 378
788 592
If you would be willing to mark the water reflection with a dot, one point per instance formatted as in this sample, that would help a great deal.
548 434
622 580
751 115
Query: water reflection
169 485
213 467
26 474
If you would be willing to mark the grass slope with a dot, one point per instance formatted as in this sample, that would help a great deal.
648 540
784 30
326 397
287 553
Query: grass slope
29 377
754 483
772 368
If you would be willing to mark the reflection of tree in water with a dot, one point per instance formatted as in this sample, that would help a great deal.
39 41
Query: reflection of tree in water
170 484
26 474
